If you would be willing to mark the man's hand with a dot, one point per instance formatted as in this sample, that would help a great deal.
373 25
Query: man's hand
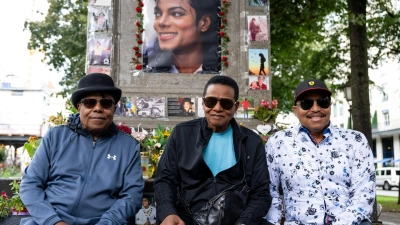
172 220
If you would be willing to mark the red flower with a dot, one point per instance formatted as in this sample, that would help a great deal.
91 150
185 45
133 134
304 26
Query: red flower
222 13
140 42
226 63
225 1
136 48
224 19
224 58
138 9
138 67
138 54
124 128
4 195
227 38
141 4
221 34
138 24
221 27
137 35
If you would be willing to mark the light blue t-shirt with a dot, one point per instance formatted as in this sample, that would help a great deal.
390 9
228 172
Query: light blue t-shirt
219 154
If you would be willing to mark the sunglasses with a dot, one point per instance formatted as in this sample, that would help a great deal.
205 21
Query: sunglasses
307 104
92 102
226 103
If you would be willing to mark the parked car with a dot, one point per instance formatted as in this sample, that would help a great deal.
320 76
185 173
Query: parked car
387 177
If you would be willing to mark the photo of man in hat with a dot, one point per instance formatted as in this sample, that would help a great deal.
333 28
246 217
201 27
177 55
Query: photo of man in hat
86 171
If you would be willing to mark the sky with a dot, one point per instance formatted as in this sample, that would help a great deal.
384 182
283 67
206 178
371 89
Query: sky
15 58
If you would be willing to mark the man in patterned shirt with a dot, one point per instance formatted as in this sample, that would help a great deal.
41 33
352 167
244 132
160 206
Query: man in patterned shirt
326 173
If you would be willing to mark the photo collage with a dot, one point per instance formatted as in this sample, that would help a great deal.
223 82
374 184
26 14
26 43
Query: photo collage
99 36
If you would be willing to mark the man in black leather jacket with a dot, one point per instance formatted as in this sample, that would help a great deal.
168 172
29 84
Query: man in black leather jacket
205 156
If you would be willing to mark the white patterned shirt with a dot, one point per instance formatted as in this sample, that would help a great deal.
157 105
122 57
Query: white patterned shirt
331 182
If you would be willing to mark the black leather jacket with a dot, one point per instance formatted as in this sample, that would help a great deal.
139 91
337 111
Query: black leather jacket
182 167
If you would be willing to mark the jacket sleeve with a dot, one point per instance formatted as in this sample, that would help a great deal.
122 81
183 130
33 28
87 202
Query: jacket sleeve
33 185
167 180
259 199
363 188
275 212
125 208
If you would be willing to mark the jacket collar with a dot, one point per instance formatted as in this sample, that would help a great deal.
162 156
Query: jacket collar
74 123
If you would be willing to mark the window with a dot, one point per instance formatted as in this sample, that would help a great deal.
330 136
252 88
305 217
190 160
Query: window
386 117
388 172
341 109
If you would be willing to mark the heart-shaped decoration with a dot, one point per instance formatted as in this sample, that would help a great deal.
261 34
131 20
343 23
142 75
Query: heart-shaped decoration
264 129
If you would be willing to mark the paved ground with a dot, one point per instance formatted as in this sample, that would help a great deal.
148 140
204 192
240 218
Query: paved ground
390 218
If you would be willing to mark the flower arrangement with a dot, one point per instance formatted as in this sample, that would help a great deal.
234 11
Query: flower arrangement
13 204
139 33
152 146
266 113
4 205
223 28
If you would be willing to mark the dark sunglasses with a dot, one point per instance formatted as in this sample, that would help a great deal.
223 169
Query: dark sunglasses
226 103
92 102
307 104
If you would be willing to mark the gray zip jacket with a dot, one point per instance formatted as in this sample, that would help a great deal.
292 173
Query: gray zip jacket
73 179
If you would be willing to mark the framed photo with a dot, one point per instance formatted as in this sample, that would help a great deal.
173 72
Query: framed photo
258 28
150 106
181 107
258 62
259 83
257 2
99 19
99 69
173 41
99 51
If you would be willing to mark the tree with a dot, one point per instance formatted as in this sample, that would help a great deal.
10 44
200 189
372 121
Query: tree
62 38
314 42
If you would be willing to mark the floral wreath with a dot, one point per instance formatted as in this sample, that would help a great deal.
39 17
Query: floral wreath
139 32
223 28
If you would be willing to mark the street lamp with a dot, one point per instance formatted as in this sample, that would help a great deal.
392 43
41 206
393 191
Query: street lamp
347 96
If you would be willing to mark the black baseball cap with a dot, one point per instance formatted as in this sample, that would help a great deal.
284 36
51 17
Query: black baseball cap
309 85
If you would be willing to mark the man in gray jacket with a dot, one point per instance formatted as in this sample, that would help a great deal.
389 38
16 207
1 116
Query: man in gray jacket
87 171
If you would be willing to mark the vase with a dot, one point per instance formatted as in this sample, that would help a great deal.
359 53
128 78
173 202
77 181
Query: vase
145 160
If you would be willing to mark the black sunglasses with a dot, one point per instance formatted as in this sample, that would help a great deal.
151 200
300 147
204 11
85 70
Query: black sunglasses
226 103
307 104
92 102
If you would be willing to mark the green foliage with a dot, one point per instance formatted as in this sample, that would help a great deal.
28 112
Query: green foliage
314 42
389 204
374 122
62 38
10 171
3 154
32 145
15 201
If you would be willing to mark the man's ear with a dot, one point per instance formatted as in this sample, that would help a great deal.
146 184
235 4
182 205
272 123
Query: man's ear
205 23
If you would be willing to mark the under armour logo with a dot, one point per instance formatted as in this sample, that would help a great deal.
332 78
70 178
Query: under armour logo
113 157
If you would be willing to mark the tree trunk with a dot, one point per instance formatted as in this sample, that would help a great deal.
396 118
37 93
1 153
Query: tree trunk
359 73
